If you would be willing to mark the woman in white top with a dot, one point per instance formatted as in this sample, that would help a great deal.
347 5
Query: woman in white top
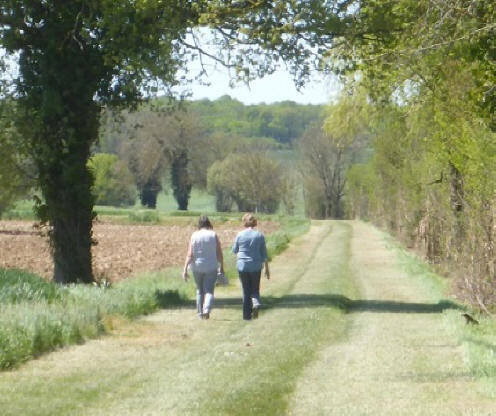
205 256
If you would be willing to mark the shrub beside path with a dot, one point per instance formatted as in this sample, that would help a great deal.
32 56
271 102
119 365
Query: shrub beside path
347 330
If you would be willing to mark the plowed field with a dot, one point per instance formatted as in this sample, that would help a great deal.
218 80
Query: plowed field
122 250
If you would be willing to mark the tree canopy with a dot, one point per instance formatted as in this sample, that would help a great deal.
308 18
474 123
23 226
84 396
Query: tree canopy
76 56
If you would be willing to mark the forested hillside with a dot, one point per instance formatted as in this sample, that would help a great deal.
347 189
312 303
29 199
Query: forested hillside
284 121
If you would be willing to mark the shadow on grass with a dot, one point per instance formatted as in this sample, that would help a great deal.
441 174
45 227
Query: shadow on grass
172 299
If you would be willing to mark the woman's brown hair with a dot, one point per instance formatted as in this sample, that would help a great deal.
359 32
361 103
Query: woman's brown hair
204 222
249 220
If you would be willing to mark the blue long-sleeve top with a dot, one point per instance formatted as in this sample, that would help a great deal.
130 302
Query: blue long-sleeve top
250 249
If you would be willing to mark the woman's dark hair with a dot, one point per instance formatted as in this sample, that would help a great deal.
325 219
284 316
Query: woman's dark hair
204 222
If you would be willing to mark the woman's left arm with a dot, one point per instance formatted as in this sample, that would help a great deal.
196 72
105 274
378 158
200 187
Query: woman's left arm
267 271
265 258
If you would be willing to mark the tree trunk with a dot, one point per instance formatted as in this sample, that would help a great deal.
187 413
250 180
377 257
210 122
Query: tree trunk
456 199
149 193
181 182
59 121
71 241
66 183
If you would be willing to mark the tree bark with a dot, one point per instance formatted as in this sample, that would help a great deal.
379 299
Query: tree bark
456 199
181 182
149 193
59 121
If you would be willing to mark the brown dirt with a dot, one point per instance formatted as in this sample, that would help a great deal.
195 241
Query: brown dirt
122 250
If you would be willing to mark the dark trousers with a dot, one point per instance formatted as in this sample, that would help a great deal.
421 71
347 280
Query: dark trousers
250 282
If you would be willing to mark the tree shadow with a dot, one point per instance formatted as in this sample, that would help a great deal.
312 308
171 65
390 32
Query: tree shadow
385 306
172 299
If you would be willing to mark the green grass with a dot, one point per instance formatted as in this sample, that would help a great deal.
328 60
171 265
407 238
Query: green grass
200 201
18 286
38 316
291 227
296 334
479 341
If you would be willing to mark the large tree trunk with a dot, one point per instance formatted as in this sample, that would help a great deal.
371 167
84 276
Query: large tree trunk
68 207
68 204
59 78
71 240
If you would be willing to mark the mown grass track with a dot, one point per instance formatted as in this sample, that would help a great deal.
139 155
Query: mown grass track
346 331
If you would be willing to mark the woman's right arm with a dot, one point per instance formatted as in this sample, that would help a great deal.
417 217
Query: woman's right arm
189 259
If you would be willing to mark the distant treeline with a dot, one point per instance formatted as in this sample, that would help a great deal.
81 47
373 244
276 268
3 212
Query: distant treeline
284 121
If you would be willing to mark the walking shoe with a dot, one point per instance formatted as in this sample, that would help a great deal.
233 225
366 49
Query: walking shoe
254 313
206 315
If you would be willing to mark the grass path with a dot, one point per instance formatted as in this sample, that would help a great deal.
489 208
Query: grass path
392 354
400 357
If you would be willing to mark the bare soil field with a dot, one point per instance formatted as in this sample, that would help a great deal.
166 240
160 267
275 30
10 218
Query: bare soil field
122 250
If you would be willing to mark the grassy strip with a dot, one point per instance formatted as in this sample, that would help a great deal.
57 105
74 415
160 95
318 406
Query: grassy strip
261 379
479 341
37 316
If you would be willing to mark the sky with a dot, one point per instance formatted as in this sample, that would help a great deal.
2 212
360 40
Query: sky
274 88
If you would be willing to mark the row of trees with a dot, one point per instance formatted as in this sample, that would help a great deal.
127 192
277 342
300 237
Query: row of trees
144 149
77 56
284 121
431 83
411 144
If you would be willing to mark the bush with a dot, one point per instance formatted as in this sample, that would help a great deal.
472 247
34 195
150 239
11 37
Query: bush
14 181
114 184
252 181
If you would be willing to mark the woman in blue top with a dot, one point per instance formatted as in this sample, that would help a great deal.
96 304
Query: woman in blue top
252 256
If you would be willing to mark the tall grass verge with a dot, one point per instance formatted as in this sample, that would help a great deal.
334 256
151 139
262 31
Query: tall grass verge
37 316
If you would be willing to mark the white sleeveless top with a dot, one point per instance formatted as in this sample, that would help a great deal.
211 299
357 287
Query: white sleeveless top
204 249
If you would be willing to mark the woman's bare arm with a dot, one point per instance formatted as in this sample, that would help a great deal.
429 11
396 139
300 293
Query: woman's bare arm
189 259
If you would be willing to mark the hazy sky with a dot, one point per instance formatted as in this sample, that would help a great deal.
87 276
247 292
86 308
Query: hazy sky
276 87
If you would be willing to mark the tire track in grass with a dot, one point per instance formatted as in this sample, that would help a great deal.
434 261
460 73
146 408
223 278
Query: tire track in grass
391 355
399 358
261 379
171 363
